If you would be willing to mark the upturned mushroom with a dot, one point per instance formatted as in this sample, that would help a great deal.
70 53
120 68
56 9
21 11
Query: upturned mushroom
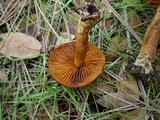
147 54
78 63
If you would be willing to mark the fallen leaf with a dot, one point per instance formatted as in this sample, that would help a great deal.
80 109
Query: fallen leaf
78 3
129 83
3 76
20 45
134 20
115 100
127 91
156 115
72 18
117 44
103 84
65 38
138 114
44 114
108 23
30 28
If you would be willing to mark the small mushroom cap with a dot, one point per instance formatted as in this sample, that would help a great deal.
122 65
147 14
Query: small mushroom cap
62 68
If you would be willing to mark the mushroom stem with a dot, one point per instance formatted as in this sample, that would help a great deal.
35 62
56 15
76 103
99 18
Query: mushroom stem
81 44
149 46
89 17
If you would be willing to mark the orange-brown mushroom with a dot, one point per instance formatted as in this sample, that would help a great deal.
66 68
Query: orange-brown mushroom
78 63
142 67
149 45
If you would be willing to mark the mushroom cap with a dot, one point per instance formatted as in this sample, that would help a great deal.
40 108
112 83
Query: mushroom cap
62 68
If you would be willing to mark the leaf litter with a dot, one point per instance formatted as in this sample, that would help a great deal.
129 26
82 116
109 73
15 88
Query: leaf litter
20 45
3 76
124 93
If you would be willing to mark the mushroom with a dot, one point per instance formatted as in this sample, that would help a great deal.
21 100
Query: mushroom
147 54
77 64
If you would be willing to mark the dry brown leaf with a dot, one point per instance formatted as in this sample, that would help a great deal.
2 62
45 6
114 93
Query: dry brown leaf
30 28
127 93
78 3
108 23
73 18
64 38
44 114
118 43
129 83
115 100
20 45
102 84
3 76
134 20
103 87
138 114
128 87
31 19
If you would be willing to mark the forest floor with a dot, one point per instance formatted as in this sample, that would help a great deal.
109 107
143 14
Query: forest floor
27 88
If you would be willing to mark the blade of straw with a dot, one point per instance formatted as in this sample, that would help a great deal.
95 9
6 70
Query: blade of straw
122 21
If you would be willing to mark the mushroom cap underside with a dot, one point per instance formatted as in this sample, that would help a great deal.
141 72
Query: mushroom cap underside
62 68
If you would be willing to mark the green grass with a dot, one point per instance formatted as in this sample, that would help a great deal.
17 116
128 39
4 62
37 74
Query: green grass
32 93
